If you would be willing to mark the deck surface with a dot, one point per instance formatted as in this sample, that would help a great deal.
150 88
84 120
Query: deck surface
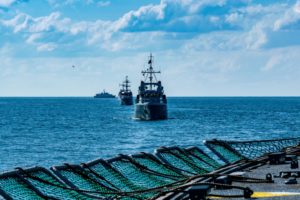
278 186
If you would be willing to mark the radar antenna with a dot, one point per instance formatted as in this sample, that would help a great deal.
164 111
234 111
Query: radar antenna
150 73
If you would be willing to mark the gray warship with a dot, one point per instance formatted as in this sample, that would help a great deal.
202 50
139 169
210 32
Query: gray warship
151 102
125 94
104 95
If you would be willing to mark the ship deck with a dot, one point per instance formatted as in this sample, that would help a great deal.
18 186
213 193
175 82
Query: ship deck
226 170
248 174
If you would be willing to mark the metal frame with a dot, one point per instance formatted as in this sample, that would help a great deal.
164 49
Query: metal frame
56 170
159 161
163 149
208 144
93 163
55 177
15 175
141 168
191 149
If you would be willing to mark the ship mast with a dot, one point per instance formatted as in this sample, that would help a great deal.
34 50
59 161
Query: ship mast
150 71
125 85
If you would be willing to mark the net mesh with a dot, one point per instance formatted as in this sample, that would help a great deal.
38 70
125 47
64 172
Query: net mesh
139 173
254 149
83 180
51 190
154 164
178 158
224 151
196 152
231 151
114 176
199 162
16 188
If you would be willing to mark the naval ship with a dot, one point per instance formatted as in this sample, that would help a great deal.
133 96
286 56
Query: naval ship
104 94
151 102
125 93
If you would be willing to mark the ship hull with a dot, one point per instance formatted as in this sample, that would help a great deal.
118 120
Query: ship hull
127 101
151 111
106 97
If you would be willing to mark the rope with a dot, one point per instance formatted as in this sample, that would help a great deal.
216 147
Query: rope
75 189
198 157
87 176
187 161
99 176
96 192
172 168
162 189
150 171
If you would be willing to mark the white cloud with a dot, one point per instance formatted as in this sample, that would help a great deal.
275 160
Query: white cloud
284 60
33 38
292 15
174 16
18 23
103 3
6 3
237 25
212 53
272 62
256 37
59 3
46 47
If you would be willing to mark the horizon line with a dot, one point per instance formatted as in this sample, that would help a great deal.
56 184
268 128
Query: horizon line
133 96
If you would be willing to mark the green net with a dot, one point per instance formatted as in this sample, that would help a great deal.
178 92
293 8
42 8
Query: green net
16 188
78 177
196 152
48 189
198 161
138 175
178 158
151 162
254 149
101 167
231 151
225 152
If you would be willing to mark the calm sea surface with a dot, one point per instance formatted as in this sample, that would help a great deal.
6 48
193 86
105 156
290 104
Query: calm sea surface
51 131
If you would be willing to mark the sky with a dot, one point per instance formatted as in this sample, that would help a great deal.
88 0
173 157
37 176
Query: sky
202 47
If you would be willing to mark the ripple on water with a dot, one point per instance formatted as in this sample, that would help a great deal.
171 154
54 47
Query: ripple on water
51 131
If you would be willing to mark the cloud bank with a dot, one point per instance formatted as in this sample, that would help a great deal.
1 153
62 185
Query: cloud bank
230 24
237 44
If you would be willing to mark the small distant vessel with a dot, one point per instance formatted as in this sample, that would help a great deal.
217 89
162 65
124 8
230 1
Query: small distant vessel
151 102
104 94
125 93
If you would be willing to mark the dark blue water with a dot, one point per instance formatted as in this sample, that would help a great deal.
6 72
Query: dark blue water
51 131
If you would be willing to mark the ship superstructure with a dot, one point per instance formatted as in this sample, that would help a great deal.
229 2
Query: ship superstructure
125 93
151 102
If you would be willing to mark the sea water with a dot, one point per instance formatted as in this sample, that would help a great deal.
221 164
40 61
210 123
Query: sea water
52 131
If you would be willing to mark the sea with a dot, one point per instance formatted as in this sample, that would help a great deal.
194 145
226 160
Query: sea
53 131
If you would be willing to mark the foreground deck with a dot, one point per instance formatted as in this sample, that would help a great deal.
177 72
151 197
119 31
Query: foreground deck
229 169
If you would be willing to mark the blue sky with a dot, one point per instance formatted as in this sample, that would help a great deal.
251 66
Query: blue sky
203 47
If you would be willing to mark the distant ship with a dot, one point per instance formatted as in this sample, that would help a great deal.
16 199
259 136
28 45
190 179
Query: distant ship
151 102
104 95
125 93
